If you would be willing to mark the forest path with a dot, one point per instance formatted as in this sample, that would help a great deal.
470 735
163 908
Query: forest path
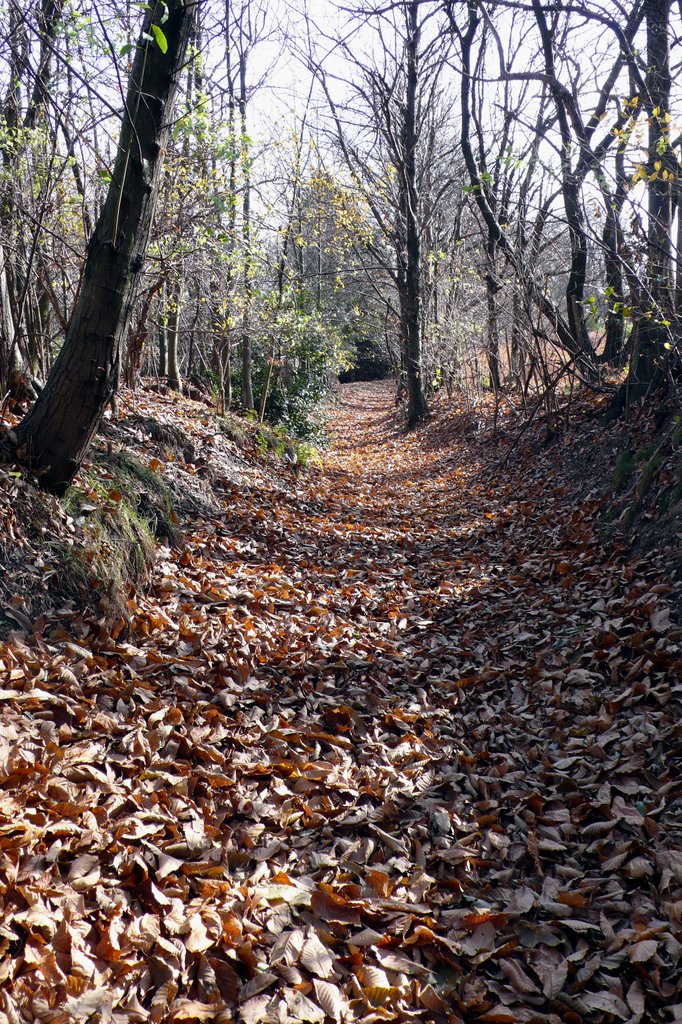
397 742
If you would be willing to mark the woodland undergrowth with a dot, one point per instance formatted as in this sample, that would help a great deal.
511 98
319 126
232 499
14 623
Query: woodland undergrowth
394 737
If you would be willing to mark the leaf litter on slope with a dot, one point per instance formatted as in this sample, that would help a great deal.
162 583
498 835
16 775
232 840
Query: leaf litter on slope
396 741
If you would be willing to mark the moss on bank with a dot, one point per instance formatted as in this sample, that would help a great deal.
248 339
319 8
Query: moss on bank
121 508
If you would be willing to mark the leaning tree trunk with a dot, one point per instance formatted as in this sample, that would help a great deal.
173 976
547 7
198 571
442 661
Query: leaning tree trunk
55 435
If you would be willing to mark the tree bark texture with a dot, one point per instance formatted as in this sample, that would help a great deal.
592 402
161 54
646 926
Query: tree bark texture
650 334
411 301
55 435
174 377
612 242
247 384
493 340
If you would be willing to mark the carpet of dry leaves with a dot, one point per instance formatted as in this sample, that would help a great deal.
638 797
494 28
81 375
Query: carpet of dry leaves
396 741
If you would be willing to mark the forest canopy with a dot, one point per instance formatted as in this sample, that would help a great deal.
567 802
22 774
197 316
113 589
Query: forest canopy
476 196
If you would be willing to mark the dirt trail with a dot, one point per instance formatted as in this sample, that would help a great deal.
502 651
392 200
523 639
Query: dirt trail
393 743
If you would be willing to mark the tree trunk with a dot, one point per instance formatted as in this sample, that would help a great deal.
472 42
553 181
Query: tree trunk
650 330
518 347
163 335
12 356
138 336
614 348
55 435
585 357
174 377
7 342
412 341
247 385
222 322
224 398
17 297
570 187
492 287
678 248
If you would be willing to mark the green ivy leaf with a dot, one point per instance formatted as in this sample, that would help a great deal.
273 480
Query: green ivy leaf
160 37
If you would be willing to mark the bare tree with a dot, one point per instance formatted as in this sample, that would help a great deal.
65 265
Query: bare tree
381 122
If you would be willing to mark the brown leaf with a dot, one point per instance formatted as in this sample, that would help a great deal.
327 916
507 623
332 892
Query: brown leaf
572 899
197 938
192 1009
514 973
639 867
330 907
287 947
256 986
522 901
316 957
554 979
302 1008
609 1002
255 1010
329 998
499 1015
430 1000
635 998
374 977
393 960
367 937
639 952
96 1001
